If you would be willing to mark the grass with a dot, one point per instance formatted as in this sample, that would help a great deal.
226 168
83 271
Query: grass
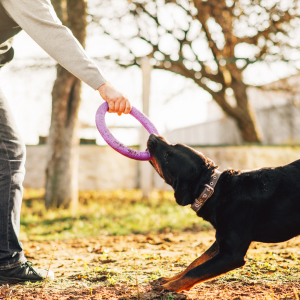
121 267
108 213
95 255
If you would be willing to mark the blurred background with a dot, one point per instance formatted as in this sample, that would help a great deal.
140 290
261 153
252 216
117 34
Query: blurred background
220 76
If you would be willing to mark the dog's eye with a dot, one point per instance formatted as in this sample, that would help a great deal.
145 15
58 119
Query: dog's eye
167 154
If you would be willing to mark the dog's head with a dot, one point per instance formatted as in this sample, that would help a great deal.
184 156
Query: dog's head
180 166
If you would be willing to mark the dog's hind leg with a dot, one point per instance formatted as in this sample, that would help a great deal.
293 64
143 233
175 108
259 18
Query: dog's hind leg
208 254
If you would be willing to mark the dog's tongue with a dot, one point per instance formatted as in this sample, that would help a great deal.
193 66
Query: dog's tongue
156 167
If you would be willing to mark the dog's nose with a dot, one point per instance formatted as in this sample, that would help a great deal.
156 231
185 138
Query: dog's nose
152 136
151 142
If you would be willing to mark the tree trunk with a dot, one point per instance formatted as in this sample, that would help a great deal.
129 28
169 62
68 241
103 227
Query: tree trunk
247 124
243 113
62 156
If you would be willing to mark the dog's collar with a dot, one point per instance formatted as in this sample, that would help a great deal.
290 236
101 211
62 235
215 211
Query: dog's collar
207 192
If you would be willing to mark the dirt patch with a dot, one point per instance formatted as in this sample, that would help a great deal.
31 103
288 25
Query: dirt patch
121 267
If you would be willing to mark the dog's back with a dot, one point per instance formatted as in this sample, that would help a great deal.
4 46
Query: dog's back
274 195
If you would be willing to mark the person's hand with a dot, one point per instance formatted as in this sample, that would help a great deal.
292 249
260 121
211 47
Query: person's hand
117 101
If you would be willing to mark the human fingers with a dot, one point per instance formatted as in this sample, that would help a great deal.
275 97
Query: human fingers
122 105
128 107
111 106
117 105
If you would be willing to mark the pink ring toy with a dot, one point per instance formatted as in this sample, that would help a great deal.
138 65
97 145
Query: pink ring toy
113 142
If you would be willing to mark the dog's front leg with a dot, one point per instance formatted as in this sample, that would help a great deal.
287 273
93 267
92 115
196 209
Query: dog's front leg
208 254
221 263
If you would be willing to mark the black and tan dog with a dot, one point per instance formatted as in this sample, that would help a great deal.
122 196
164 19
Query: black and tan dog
262 205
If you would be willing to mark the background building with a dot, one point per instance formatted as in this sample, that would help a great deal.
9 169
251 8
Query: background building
277 107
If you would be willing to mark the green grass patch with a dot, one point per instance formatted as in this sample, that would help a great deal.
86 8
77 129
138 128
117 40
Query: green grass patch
113 213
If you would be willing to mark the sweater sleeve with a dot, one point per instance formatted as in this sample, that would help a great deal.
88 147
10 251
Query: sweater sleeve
38 19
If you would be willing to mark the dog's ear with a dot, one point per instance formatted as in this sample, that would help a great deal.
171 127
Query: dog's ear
183 192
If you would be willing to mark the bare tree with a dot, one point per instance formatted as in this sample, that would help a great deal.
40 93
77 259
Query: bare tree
62 157
211 42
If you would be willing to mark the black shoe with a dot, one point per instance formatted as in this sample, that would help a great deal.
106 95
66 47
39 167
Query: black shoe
24 272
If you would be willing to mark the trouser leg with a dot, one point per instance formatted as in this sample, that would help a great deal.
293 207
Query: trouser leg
12 171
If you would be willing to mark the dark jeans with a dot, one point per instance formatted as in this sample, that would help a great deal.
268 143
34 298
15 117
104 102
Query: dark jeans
12 171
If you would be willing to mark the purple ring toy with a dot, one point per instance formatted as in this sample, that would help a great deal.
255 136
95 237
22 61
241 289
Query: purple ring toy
113 142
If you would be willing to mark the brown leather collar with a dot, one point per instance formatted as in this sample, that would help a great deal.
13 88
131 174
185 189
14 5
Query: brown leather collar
207 192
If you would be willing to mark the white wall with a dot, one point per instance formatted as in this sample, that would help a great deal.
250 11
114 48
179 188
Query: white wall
278 124
102 168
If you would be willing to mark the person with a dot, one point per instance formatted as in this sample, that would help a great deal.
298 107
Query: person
39 20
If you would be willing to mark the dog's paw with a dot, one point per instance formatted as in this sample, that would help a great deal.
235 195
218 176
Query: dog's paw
175 286
168 288
157 288
159 281
160 289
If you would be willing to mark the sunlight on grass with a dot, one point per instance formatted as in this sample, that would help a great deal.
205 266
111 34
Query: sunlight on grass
114 213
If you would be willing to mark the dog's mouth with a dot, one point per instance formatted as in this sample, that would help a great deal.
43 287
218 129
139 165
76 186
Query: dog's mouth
155 165
151 145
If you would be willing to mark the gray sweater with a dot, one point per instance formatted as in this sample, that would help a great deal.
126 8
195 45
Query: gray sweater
38 19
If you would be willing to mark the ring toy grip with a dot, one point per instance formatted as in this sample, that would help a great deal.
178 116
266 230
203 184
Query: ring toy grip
113 142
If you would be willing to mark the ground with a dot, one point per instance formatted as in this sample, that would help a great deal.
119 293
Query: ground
121 267
117 264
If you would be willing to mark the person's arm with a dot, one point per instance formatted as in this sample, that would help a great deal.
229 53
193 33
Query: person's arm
38 19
